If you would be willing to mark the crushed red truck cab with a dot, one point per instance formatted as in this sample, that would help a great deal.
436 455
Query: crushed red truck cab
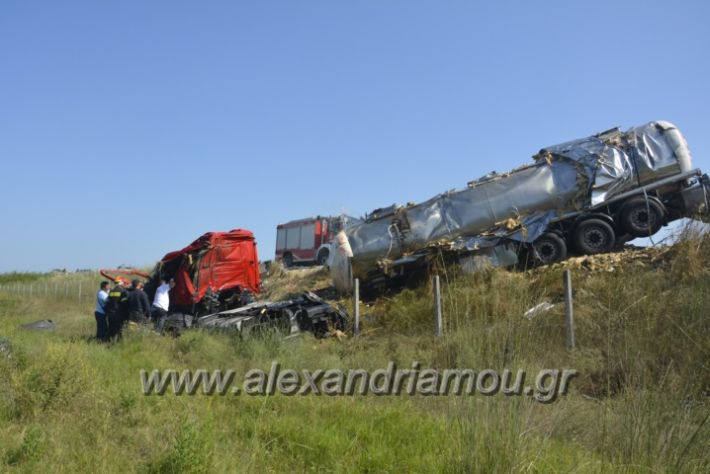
218 271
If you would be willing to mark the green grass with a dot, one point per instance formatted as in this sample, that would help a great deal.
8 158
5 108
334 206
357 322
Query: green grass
639 404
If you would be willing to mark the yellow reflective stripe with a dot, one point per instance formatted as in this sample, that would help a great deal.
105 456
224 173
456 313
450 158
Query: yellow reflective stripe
115 293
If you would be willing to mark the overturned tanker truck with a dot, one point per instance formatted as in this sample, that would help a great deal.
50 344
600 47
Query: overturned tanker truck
584 197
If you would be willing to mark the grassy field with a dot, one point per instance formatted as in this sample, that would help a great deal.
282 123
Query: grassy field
639 404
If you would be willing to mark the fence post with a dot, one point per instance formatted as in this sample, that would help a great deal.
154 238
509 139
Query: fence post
437 304
79 291
356 307
569 310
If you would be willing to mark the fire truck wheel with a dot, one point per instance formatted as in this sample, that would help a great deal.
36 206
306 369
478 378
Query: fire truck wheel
323 257
288 260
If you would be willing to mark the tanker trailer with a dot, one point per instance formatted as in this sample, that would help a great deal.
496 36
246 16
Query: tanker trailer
580 197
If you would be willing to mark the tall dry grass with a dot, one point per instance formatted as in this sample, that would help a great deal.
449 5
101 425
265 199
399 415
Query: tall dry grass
639 403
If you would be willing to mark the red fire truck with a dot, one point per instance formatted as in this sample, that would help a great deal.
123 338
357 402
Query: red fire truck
308 240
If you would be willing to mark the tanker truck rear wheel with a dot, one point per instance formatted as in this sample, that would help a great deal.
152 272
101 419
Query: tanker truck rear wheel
550 248
641 218
593 236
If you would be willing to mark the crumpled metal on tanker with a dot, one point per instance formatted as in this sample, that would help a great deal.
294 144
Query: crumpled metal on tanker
518 205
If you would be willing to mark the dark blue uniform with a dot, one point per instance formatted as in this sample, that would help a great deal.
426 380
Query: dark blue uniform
116 311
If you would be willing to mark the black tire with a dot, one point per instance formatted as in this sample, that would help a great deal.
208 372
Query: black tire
640 218
323 257
549 248
594 236
288 260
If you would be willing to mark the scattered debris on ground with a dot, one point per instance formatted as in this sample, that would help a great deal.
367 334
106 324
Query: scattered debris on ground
610 262
43 325
536 310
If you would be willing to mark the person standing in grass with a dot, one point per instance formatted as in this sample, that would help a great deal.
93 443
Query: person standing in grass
100 312
161 303
116 309
138 305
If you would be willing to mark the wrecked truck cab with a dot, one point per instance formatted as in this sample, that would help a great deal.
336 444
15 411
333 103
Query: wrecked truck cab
216 278
218 271
581 197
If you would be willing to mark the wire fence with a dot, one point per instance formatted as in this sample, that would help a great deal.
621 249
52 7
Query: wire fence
80 290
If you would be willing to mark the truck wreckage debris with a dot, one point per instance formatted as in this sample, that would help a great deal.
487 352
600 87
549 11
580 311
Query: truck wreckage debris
307 312
216 278
582 197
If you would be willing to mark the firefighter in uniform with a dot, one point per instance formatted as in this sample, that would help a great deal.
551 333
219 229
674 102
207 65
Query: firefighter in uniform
116 306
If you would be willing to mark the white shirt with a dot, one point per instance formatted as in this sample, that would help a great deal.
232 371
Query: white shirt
162 298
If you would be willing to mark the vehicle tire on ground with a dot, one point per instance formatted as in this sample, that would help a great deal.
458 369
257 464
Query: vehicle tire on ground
593 236
641 218
323 257
549 248
288 260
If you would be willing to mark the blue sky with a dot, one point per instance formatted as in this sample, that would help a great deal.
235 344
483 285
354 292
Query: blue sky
127 129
